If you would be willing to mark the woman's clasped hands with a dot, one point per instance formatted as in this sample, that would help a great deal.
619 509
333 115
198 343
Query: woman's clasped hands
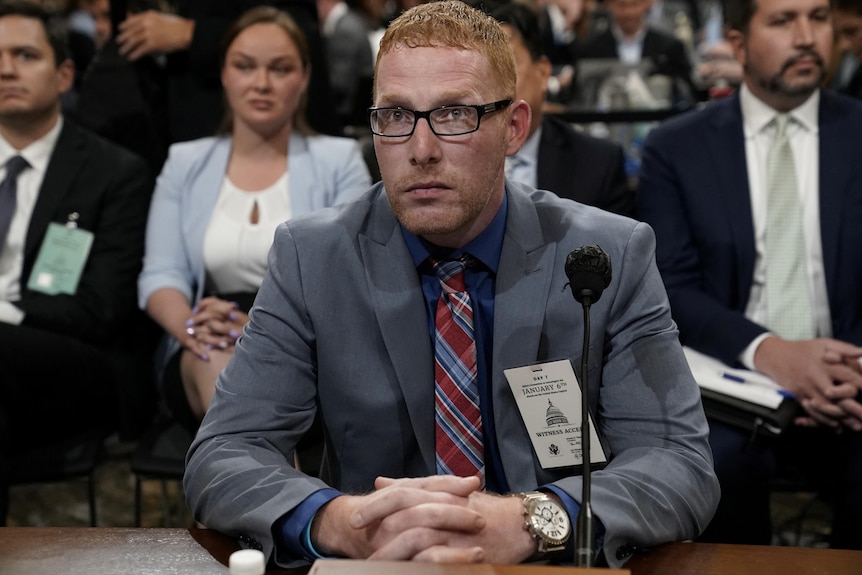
215 324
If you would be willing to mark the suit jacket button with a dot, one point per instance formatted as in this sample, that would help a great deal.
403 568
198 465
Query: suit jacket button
624 552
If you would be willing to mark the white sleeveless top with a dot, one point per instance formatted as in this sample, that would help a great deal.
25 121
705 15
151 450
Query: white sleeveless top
235 250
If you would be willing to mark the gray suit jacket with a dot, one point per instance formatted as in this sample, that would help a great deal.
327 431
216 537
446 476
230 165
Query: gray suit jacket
340 326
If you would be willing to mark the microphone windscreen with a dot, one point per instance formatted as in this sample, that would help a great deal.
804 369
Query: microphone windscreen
589 271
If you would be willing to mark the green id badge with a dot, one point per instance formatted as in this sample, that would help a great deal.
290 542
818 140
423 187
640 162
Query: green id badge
61 260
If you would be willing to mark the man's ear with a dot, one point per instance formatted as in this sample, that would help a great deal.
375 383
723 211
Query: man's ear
65 76
520 117
736 39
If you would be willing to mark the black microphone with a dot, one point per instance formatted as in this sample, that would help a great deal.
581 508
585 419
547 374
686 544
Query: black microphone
589 271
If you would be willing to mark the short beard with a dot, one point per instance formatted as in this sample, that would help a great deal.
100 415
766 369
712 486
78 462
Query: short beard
777 85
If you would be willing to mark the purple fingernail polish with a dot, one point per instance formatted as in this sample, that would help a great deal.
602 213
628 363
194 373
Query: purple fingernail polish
232 315
190 322
233 334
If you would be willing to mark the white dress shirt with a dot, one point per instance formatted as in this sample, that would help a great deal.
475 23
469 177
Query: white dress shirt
629 50
37 154
804 136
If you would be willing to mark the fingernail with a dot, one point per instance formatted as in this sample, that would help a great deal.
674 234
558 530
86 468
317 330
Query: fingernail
205 357
234 304
232 315
233 334
190 330
190 322
195 309
209 346
222 344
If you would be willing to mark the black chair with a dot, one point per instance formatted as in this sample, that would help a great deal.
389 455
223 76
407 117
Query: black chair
67 459
160 455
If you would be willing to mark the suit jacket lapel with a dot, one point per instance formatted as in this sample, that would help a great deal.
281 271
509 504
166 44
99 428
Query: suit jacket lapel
609 45
553 149
727 150
400 310
66 160
835 158
522 287
524 276
650 47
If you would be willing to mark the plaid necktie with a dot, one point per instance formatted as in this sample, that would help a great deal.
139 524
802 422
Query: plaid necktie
9 194
458 421
787 300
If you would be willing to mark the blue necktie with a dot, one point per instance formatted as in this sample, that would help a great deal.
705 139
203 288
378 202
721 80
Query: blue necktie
458 420
9 194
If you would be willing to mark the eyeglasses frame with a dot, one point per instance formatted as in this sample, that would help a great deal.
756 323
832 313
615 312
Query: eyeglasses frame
481 110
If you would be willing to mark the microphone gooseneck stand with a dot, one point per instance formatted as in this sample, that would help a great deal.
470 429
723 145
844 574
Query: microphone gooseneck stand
589 271
584 540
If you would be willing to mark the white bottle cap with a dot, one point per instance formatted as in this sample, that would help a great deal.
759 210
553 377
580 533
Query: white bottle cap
247 562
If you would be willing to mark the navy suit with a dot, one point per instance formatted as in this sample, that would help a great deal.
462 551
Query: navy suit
57 374
582 168
694 192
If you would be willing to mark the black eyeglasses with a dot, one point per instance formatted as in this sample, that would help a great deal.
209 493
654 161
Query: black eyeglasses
444 121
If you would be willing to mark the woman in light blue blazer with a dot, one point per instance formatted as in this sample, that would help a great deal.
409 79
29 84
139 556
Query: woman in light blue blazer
218 200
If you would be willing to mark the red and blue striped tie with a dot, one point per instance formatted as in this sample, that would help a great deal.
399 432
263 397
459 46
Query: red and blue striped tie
459 422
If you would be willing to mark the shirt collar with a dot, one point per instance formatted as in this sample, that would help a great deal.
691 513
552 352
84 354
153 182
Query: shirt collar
529 152
485 248
756 114
38 153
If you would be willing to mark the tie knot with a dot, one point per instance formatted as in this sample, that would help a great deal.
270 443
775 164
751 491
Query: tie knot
781 122
15 166
451 273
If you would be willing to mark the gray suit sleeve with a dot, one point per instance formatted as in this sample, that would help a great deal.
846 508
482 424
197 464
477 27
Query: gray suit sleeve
240 476
659 485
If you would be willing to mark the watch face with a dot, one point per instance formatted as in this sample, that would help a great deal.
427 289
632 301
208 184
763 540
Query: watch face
550 521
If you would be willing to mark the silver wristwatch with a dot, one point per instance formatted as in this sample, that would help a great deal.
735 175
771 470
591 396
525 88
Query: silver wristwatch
547 521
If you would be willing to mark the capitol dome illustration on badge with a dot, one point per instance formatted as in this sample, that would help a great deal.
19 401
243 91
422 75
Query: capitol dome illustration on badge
554 416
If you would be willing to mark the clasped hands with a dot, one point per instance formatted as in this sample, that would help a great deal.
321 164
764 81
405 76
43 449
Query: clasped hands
215 324
824 374
439 519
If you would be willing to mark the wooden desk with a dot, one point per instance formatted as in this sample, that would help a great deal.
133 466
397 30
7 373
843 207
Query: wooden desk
710 559
121 551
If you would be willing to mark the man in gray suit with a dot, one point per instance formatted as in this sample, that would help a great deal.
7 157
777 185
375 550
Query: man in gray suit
342 329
